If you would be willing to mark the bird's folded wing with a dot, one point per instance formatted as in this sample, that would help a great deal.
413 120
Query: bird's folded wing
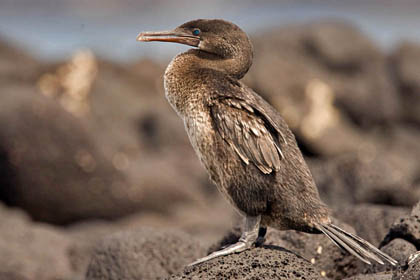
247 133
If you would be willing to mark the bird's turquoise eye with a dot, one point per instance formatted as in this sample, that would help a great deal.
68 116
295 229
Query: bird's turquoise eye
196 32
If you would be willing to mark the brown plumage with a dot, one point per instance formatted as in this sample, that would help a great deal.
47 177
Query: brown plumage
243 142
253 138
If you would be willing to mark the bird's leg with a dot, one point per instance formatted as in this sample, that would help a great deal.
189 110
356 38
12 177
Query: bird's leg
261 236
248 238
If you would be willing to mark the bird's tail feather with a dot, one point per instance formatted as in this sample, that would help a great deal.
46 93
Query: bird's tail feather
354 244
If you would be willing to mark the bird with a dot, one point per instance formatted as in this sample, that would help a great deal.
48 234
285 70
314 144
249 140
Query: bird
245 145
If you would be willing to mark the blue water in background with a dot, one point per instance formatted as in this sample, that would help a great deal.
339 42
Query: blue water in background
53 30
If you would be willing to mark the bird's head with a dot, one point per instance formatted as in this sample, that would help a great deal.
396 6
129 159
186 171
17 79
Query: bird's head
216 36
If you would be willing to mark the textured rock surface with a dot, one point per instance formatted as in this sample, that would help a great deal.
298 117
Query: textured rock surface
399 249
50 166
405 63
142 254
317 249
325 255
370 221
410 271
314 248
267 262
371 176
34 251
407 227
325 78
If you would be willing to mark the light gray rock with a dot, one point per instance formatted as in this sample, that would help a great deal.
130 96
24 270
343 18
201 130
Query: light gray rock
142 254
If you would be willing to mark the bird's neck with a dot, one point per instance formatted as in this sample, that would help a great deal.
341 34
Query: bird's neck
235 65
188 72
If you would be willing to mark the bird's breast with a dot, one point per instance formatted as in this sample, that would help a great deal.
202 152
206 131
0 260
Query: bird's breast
187 97
202 136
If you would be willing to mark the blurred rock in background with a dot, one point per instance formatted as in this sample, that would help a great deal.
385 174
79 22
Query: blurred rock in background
94 162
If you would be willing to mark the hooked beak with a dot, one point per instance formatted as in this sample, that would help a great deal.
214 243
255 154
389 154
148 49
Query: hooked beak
173 36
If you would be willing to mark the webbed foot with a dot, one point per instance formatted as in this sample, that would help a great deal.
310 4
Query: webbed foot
247 240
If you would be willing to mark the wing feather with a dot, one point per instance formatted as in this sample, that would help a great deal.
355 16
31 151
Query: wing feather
247 133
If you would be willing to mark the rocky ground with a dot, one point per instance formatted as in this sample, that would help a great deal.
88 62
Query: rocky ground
98 180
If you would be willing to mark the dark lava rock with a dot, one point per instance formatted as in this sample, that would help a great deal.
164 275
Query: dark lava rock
34 251
371 221
374 175
405 62
321 75
316 248
398 249
411 271
325 255
341 46
142 254
268 262
50 165
407 228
